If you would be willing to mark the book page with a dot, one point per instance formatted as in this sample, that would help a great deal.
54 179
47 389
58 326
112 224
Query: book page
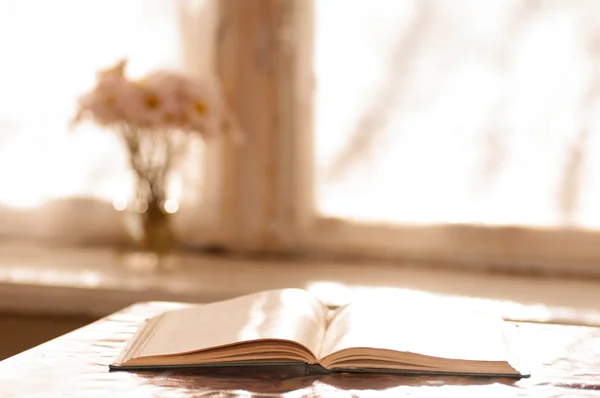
288 314
438 333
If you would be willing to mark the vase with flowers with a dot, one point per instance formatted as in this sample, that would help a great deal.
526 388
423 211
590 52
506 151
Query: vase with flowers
154 117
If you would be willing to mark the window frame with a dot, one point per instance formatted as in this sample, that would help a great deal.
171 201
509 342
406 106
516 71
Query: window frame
264 58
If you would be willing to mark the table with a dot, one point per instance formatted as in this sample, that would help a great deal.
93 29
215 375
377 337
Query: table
564 360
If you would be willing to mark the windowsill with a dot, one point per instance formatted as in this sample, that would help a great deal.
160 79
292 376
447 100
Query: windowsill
91 282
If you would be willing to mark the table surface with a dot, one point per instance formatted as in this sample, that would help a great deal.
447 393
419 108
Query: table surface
564 361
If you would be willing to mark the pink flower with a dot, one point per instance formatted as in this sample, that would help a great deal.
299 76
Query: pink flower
160 101
182 103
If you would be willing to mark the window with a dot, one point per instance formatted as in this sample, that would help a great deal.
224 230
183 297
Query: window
443 131
422 129
489 105
58 182
462 130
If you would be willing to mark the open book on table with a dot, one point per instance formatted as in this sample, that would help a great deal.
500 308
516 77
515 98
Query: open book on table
291 326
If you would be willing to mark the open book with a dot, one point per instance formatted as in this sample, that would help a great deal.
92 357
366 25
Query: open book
291 326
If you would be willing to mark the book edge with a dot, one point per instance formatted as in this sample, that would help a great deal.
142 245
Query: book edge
314 369
137 337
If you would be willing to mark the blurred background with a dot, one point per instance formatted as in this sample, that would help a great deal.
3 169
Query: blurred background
450 149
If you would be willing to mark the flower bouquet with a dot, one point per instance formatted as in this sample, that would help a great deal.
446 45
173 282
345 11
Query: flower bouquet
155 117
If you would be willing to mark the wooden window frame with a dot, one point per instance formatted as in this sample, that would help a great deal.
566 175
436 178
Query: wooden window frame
264 59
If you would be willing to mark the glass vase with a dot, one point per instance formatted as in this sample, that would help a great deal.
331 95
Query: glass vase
150 226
